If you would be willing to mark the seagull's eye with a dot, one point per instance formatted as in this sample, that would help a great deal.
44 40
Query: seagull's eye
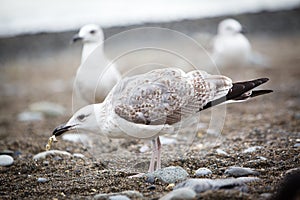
92 32
81 117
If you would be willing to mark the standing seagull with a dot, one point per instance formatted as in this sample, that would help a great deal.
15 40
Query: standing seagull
230 46
96 75
158 102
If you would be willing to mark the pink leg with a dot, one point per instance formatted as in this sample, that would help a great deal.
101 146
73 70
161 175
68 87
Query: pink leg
156 150
158 161
154 155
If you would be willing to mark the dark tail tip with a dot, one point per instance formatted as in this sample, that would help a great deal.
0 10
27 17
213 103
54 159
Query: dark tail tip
263 80
260 92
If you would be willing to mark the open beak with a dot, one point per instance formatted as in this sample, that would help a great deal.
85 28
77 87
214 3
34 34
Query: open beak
62 129
76 38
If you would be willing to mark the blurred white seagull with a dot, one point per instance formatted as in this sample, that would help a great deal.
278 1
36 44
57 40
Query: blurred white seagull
155 103
96 75
232 48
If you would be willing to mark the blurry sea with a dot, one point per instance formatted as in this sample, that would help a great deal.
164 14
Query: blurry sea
33 16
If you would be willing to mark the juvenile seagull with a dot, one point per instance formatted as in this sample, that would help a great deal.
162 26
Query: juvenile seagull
230 46
149 105
96 76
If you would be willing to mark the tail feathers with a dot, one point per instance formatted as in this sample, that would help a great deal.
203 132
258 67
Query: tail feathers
241 91
251 94
240 88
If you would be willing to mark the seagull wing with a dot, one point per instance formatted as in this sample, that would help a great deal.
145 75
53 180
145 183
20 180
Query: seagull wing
166 96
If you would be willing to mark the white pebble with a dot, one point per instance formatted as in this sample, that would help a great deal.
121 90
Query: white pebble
262 158
43 155
221 152
78 155
27 116
203 172
42 180
48 108
252 149
203 184
6 160
297 145
118 197
144 148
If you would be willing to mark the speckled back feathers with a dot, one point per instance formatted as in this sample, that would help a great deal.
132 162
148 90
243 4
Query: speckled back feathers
166 96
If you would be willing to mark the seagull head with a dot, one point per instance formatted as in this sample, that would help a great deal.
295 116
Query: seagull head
90 33
85 119
230 27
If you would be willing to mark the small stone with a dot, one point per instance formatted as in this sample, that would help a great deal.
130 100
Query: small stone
262 158
240 171
132 194
57 158
78 155
221 152
151 187
6 160
203 184
46 163
203 172
43 155
150 179
197 185
266 195
118 197
182 193
252 149
170 174
297 145
170 186
7 152
48 108
42 180
27 116
128 194
144 148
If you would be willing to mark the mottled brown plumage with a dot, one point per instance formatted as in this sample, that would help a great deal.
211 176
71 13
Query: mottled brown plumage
166 96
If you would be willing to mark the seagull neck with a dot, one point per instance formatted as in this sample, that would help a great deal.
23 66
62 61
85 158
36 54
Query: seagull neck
88 48
106 120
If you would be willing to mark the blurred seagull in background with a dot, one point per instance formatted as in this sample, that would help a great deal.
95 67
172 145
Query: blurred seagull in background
96 75
232 48
159 102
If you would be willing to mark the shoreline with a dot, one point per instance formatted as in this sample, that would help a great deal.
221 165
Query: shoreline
264 24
